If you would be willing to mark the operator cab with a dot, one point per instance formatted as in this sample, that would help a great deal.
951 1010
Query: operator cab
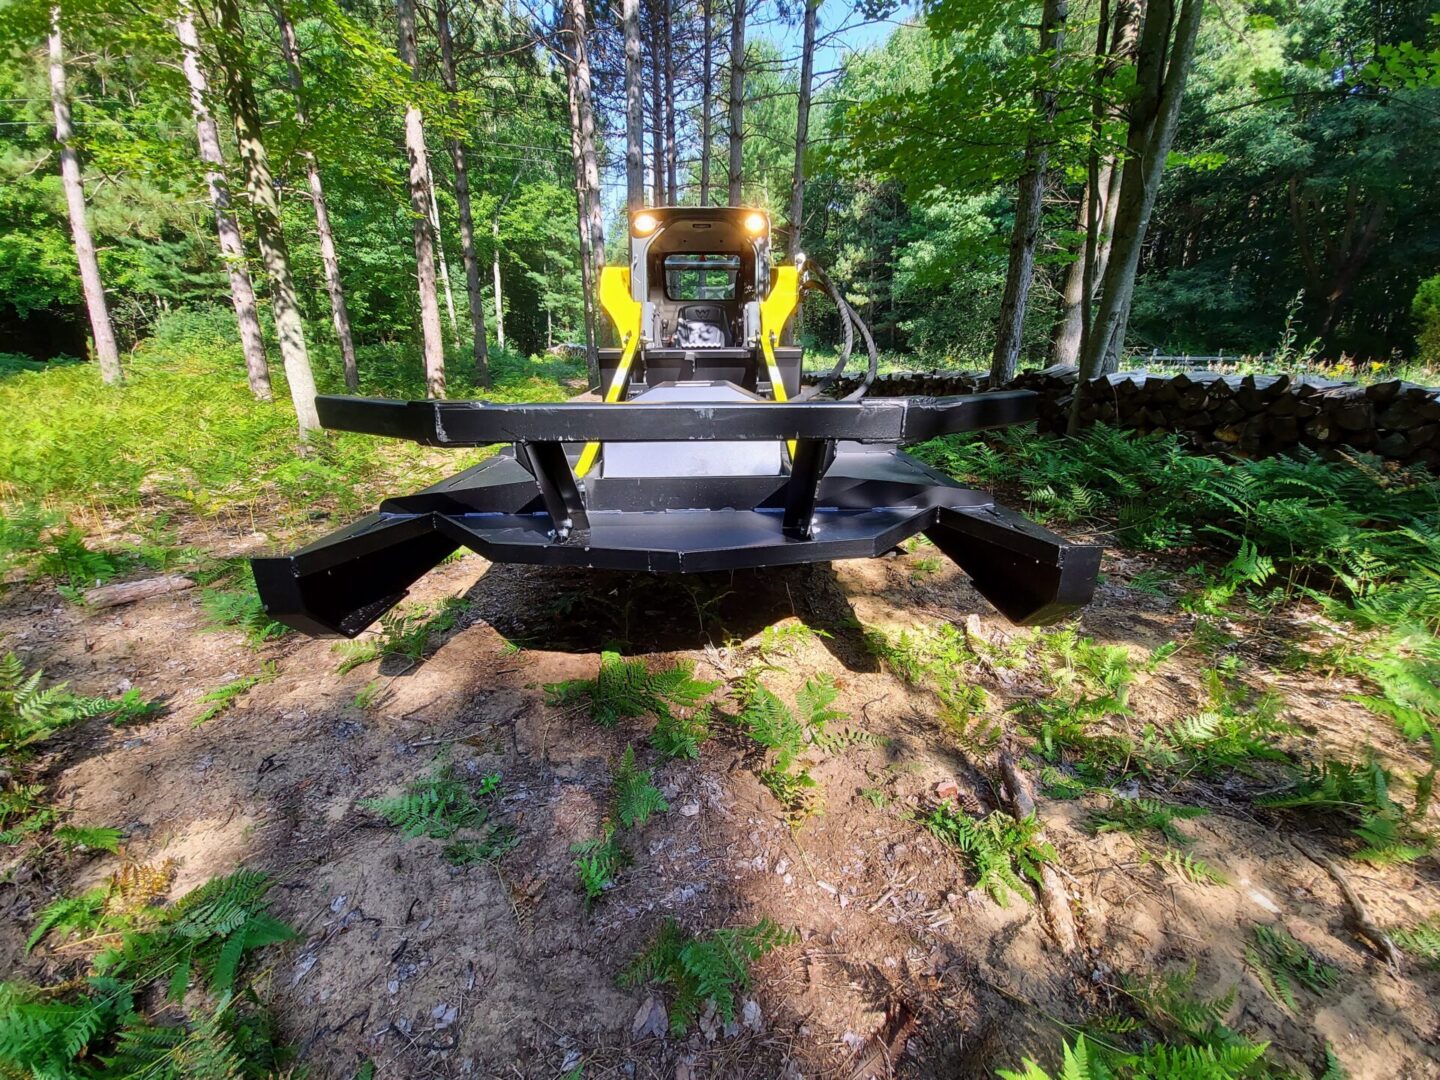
699 274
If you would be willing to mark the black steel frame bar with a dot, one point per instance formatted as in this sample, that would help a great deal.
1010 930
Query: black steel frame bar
476 423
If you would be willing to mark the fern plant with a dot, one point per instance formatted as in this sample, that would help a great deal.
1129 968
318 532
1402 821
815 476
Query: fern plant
679 734
437 805
1002 851
1280 963
221 699
636 796
404 635
598 863
1137 816
1361 795
628 689
1089 1060
30 713
707 969
241 609
1421 940
784 737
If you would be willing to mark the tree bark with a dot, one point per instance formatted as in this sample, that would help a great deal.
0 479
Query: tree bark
1069 333
339 313
1029 210
1161 70
672 150
582 222
432 343
634 111
468 254
657 109
499 295
265 206
707 97
802 127
101 329
232 245
440 260
737 103
587 178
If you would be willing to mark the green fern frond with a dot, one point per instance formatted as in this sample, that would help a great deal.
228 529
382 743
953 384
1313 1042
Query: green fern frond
598 863
1002 851
636 796
627 689
1191 868
1280 963
1421 940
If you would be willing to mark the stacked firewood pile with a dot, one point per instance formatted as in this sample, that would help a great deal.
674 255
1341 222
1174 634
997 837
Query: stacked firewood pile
1248 415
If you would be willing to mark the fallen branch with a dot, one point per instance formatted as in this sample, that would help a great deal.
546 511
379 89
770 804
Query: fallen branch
128 592
1054 901
1357 917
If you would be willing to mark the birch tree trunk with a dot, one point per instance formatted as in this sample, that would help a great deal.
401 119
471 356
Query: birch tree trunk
432 343
802 127
1161 69
634 111
265 206
582 221
468 256
232 246
737 103
1029 211
339 313
439 236
499 295
101 329
707 97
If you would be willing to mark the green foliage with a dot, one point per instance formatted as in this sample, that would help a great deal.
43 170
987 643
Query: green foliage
241 609
786 639
132 707
1194 870
1001 850
1280 963
598 863
30 714
709 968
679 735
627 689
89 837
1421 940
1142 815
785 736
404 635
438 805
636 796
1088 1060
1248 567
44 1034
1359 794
71 915
222 698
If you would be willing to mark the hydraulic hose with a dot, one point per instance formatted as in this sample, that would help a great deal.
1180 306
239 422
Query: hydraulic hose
816 278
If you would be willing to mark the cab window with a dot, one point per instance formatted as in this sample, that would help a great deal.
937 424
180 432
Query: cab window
701 277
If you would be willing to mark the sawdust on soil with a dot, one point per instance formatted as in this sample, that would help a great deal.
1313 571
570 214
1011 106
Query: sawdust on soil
902 968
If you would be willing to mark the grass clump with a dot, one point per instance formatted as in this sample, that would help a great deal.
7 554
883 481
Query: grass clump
1002 851
1280 963
704 970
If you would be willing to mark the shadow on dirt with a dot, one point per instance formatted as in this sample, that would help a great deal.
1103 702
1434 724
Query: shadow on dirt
583 611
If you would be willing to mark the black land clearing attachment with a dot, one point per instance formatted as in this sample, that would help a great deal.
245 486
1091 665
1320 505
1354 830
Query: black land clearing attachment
706 454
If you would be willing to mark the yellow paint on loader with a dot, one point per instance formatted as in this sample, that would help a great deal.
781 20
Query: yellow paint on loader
624 311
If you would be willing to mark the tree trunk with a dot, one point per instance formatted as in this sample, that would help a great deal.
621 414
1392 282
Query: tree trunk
339 313
672 150
1070 331
499 295
106 351
468 255
1161 70
587 179
634 111
657 108
265 205
232 246
1029 210
737 103
802 127
433 344
439 235
707 98
582 221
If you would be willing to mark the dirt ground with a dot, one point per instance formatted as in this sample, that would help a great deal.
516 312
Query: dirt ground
901 967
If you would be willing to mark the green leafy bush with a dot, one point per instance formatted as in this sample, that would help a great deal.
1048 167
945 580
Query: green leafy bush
1002 851
628 689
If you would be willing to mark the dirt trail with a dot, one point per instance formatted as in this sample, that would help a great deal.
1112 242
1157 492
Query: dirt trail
498 970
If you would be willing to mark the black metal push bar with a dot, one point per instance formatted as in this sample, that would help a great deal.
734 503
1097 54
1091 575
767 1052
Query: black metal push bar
479 423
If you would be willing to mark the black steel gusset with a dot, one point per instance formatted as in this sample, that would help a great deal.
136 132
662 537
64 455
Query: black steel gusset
807 468
558 490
